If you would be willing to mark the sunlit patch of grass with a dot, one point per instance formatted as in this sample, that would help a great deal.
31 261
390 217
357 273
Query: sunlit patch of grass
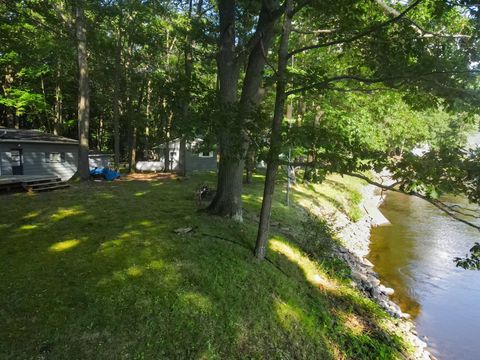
353 322
105 196
292 317
111 244
31 215
66 212
134 271
64 245
336 193
132 234
309 267
355 214
27 227
141 193
156 264
199 302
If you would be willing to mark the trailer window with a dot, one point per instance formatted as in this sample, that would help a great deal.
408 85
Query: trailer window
55 157
206 154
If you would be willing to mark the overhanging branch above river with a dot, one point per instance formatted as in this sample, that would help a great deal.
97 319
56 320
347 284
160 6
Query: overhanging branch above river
447 209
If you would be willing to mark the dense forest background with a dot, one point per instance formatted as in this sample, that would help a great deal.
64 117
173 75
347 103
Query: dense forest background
342 86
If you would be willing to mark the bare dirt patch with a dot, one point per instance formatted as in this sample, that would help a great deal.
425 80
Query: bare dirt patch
148 176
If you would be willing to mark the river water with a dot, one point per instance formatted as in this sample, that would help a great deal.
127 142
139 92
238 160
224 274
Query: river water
414 255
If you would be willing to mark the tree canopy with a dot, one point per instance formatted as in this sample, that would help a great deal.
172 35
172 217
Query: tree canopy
345 86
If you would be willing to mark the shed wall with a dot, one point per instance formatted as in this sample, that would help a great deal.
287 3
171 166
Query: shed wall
100 161
5 168
197 163
35 160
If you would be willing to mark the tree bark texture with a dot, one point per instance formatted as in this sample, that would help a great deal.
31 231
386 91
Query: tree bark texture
250 164
233 138
116 98
83 93
132 153
275 137
58 105
227 199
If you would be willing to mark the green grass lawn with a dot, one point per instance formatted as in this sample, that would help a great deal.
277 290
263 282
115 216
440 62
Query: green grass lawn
97 272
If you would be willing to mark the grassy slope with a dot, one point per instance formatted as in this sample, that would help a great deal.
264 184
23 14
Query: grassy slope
96 271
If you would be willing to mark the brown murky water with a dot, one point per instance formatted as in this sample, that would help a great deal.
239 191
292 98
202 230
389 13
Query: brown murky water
414 255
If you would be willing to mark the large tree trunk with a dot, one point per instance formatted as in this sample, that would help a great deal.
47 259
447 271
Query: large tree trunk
182 157
227 199
83 93
275 137
229 188
233 139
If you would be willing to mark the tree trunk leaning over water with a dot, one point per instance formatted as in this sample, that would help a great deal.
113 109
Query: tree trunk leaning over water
83 93
275 137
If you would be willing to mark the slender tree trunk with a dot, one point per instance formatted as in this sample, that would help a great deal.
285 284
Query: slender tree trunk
188 63
148 115
47 119
275 138
250 164
233 139
132 154
116 96
10 118
311 173
83 93
58 106
166 156
101 132
182 157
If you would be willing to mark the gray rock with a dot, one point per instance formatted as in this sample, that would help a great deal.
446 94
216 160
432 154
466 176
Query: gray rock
405 315
367 262
359 276
386 290
373 280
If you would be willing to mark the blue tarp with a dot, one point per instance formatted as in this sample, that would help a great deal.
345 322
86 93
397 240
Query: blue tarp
107 173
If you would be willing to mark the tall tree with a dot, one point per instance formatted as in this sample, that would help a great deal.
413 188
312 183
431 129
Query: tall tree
83 92
357 157
235 114
275 137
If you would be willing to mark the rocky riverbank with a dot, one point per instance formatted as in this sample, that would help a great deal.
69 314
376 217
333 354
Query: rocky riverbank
355 239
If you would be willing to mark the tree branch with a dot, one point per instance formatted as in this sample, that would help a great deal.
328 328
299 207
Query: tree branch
314 32
359 35
437 203
257 36
418 29
362 90
326 82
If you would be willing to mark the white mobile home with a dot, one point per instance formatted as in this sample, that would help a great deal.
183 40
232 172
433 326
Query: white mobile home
32 152
196 158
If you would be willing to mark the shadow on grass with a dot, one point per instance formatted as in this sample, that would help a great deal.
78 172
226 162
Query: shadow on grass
97 272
